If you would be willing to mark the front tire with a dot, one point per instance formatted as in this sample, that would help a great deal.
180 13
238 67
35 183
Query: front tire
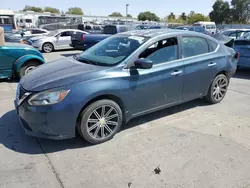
48 47
28 67
100 121
218 89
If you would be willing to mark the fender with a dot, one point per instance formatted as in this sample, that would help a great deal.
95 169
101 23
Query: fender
21 60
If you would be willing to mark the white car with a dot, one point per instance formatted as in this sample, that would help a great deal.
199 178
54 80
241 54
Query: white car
55 40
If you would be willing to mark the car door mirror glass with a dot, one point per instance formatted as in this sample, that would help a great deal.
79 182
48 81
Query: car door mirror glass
143 64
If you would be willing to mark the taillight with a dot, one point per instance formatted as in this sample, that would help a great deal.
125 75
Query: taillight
83 38
237 56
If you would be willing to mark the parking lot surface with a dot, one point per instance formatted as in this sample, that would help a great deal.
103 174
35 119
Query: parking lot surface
190 145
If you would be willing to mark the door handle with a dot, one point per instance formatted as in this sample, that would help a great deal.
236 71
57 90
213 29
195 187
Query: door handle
212 64
176 73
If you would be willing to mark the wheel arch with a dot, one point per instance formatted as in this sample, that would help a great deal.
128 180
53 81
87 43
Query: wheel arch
112 97
20 62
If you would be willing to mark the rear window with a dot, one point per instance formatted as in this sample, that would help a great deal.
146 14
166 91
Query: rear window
110 30
192 46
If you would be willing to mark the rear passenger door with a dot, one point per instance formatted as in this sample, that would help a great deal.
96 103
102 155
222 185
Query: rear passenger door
199 66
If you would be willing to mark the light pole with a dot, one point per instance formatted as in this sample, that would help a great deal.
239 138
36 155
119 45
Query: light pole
127 5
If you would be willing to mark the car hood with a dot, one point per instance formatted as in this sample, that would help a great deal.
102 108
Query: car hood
59 73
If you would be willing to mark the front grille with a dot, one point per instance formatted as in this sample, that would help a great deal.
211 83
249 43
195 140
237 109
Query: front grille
21 92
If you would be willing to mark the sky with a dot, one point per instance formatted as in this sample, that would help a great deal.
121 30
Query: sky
106 7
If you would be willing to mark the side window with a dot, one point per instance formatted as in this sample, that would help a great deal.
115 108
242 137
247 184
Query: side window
65 34
192 46
212 45
35 31
162 51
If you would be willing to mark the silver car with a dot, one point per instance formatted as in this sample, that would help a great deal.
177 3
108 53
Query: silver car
55 40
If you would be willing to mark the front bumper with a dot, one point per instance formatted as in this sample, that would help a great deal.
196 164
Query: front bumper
36 45
46 122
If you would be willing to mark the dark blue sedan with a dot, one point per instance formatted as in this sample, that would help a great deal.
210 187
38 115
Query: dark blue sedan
242 45
122 77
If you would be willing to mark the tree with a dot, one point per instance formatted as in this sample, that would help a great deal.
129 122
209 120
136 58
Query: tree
51 10
129 16
143 16
32 8
240 10
195 17
171 16
221 12
116 14
75 10
183 16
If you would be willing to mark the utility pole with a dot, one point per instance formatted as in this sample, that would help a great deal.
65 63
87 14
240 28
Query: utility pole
127 5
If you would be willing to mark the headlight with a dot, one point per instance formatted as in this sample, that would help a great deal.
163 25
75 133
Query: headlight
48 97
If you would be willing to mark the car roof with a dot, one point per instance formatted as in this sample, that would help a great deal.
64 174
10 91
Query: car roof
154 32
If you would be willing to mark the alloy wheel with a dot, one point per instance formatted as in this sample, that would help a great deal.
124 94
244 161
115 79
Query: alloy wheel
220 88
47 47
102 122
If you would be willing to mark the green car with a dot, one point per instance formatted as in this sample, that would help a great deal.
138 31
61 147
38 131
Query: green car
16 60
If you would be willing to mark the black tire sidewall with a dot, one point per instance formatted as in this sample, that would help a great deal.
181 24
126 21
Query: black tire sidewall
211 97
82 127
28 64
49 44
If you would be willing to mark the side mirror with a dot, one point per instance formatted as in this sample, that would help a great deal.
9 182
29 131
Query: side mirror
22 34
57 37
143 64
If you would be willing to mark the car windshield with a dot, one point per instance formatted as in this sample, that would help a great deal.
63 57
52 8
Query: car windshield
52 33
112 50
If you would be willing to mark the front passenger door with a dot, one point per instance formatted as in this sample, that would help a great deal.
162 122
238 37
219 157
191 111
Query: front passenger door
63 40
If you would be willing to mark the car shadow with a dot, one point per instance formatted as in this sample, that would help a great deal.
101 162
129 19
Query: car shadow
12 135
242 73
10 80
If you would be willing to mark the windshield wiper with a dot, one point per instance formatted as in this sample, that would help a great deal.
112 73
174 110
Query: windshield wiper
77 57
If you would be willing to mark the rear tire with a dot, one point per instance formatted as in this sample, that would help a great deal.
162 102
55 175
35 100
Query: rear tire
48 47
100 121
218 89
28 67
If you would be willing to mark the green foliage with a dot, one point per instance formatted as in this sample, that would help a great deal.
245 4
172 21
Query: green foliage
116 14
240 10
51 10
143 16
32 8
183 16
238 13
75 10
195 17
184 19
171 16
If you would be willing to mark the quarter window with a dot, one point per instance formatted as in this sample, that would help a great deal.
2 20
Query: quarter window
162 51
212 45
192 46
